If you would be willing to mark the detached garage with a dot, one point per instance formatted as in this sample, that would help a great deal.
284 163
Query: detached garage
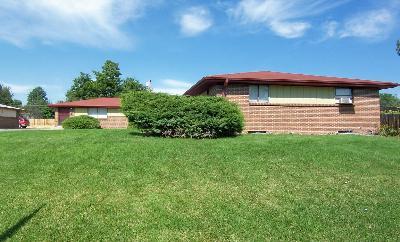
9 117
106 110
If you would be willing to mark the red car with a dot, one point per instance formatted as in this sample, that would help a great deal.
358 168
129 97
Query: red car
23 122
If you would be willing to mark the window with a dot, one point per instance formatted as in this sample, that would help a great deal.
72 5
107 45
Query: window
344 92
100 113
258 93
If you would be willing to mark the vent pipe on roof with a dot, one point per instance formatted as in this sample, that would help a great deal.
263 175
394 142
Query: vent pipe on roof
148 85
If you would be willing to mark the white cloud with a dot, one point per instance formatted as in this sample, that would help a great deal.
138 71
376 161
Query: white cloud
172 86
371 25
284 18
375 24
290 30
176 83
330 29
19 89
88 22
195 21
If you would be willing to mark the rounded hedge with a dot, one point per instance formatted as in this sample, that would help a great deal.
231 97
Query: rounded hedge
81 122
182 116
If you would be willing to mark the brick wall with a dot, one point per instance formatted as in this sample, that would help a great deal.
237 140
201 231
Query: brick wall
114 123
361 117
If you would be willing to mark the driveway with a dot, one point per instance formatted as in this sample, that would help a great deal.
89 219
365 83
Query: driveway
31 129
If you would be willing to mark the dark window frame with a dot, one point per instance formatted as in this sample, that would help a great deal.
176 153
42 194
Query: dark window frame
258 94
351 92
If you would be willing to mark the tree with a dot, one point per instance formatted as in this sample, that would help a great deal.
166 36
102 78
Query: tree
17 103
389 100
6 97
108 80
83 88
37 104
108 83
131 84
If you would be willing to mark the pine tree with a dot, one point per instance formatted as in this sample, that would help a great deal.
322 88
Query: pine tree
37 104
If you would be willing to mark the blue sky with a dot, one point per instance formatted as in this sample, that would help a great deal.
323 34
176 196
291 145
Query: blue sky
175 43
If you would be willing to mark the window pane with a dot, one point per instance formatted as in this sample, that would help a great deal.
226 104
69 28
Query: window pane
343 91
102 112
92 112
263 93
253 93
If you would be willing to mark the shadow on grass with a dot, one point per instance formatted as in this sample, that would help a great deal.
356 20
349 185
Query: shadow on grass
141 134
14 229
138 133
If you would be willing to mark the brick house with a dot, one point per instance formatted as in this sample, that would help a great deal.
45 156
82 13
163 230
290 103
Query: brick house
106 110
295 103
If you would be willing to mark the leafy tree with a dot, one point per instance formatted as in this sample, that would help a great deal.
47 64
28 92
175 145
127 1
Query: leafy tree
108 83
17 103
108 80
6 97
389 100
131 84
83 88
37 104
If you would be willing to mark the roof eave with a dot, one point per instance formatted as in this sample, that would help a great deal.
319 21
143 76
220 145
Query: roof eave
205 82
81 106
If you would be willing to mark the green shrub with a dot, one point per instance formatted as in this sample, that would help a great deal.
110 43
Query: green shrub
81 122
389 131
182 116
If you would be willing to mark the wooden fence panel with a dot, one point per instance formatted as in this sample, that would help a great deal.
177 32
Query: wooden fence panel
42 123
392 120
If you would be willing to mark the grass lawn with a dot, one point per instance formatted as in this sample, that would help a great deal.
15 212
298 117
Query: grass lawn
108 185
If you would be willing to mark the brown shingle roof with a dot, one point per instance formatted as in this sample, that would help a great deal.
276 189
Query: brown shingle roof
280 78
104 102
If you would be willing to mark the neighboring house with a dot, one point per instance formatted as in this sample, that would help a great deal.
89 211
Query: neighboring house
9 117
295 103
106 110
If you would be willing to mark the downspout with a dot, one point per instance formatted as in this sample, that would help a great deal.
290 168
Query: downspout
225 87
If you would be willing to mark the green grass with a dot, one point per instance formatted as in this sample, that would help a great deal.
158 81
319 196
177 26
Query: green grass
112 185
